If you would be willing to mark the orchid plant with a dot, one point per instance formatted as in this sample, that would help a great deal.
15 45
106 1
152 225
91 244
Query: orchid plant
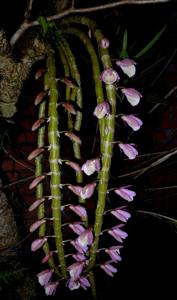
77 235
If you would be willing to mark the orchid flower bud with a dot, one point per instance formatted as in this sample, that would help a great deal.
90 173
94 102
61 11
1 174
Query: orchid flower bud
69 107
109 76
132 95
79 210
35 204
73 165
102 110
108 268
36 181
39 98
36 225
120 214
128 66
73 285
73 137
114 253
35 153
125 193
134 122
128 150
37 124
85 238
47 257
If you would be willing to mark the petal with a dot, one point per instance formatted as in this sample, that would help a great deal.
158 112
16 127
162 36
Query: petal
132 95
125 193
44 276
128 66
73 285
104 43
109 76
75 270
88 190
129 150
77 228
121 214
50 288
79 210
134 122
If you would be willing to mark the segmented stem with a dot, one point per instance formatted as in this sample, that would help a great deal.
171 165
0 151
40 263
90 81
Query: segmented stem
54 154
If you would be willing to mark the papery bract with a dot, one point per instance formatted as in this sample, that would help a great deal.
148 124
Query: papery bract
109 76
132 95
69 107
128 66
129 150
134 122
38 243
37 124
50 288
125 193
44 276
108 268
73 137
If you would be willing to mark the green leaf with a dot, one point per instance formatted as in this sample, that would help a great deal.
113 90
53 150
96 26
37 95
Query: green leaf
44 24
151 43
124 53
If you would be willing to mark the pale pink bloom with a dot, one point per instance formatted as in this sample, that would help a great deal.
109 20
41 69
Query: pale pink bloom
90 166
84 282
77 227
102 110
128 150
85 238
118 233
35 204
35 153
104 43
120 214
73 285
109 76
134 122
88 190
75 166
114 253
73 137
38 243
79 256
36 181
77 246
75 270
45 276
132 95
128 66
50 288
36 225
69 107
47 257
125 193
79 210
39 98
108 268
37 124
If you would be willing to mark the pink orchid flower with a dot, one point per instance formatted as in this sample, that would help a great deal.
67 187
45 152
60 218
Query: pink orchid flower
90 166
132 95
39 98
84 282
125 193
85 238
50 288
38 243
128 150
79 256
108 268
45 276
114 253
109 76
78 247
128 66
73 284
83 192
75 270
134 122
118 233
120 214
